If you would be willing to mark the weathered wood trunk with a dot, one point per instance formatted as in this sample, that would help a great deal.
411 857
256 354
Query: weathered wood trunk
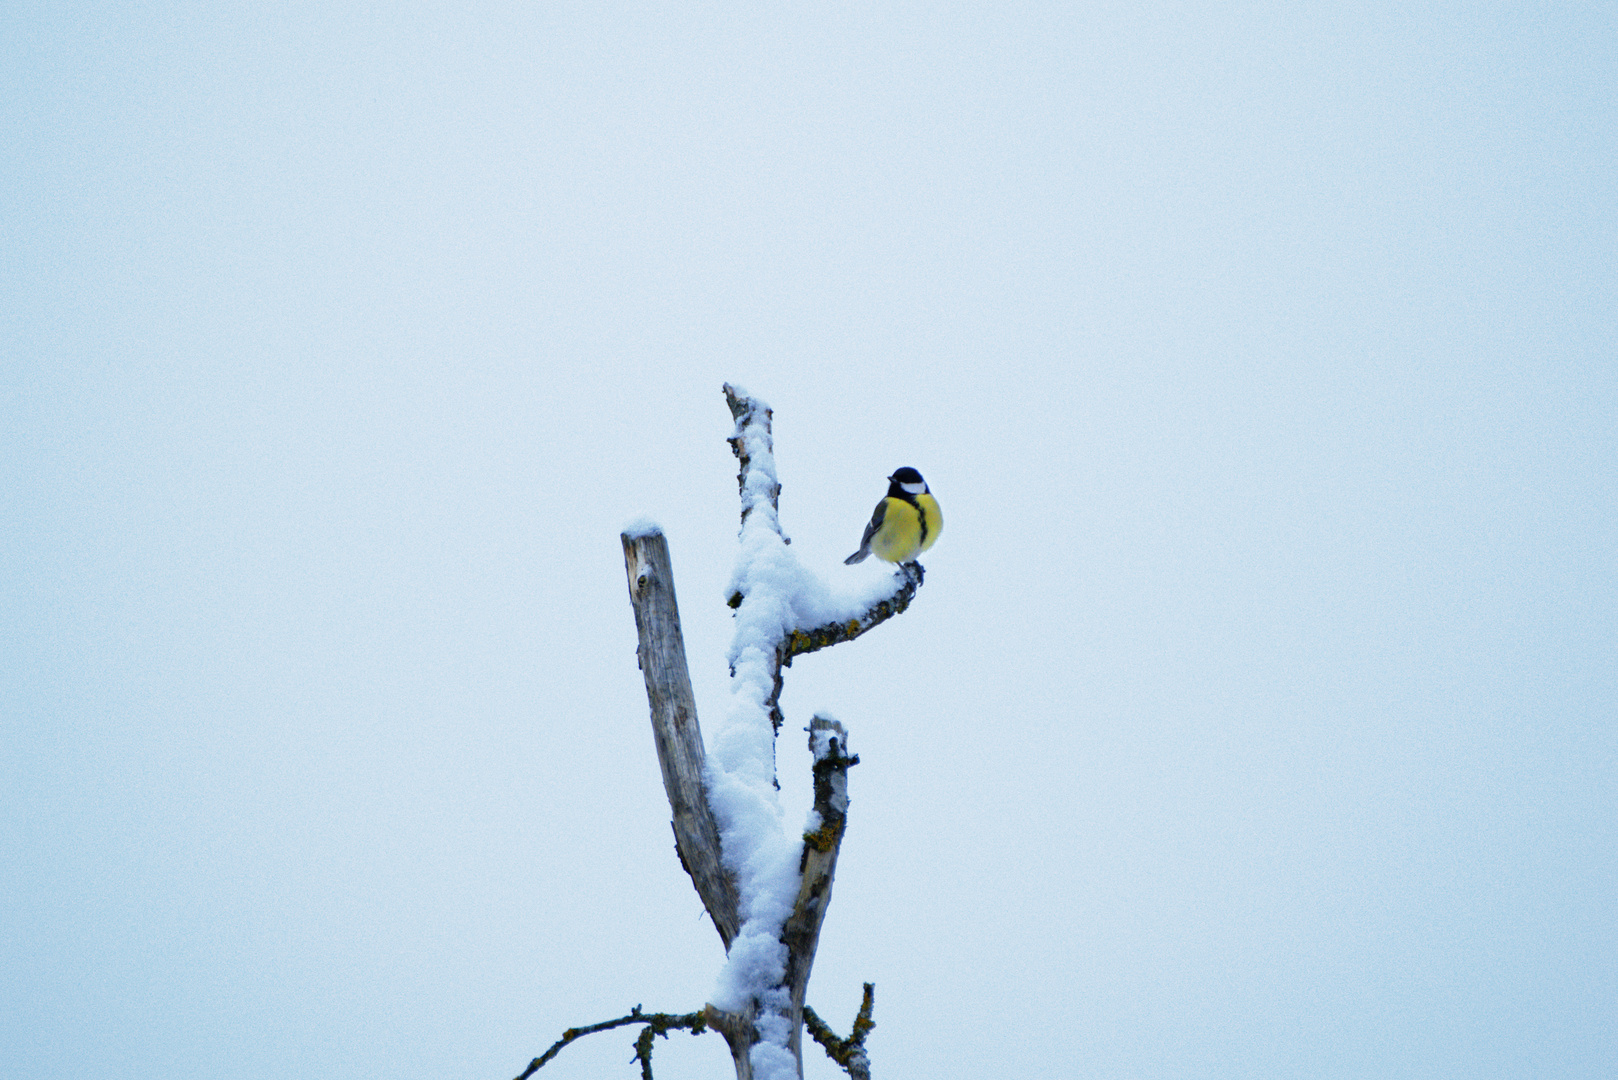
675 729
680 754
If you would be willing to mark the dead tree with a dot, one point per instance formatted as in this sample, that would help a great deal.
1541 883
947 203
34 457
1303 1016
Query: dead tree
765 1024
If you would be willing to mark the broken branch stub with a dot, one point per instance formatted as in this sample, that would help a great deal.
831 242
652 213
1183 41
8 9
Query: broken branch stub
817 867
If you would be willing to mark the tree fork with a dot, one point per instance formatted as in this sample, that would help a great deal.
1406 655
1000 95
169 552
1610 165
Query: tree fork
681 756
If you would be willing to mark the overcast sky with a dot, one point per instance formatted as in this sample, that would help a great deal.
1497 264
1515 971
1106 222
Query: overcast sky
1258 716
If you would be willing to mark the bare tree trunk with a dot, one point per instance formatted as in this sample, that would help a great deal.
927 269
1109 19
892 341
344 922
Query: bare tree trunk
674 725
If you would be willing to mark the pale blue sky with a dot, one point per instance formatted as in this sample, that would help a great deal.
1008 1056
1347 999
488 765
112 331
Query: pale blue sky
1257 717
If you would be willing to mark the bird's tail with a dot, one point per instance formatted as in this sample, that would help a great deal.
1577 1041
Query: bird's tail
858 556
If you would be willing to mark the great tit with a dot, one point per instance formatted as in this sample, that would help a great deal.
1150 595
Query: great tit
906 521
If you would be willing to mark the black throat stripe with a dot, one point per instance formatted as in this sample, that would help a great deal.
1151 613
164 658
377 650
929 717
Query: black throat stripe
921 516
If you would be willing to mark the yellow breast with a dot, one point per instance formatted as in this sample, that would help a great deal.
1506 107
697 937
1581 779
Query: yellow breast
906 531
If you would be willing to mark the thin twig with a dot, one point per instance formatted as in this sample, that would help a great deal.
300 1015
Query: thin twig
849 1052
656 1024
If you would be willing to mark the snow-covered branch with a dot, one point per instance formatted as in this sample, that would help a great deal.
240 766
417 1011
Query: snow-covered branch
765 883
783 876
816 638
754 447
792 610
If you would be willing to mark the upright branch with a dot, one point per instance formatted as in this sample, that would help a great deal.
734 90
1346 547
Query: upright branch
754 444
754 447
828 742
675 730
849 1052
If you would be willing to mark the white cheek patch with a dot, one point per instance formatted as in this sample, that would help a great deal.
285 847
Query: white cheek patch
914 489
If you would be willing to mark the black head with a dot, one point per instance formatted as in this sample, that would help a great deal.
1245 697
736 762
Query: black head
906 481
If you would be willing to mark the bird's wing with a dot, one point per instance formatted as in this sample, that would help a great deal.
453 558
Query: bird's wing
878 516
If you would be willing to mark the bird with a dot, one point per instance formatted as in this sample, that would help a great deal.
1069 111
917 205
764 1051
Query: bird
906 522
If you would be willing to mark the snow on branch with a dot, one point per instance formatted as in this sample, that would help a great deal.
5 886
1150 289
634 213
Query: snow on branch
826 618
794 610
754 446
765 883
783 876
816 638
